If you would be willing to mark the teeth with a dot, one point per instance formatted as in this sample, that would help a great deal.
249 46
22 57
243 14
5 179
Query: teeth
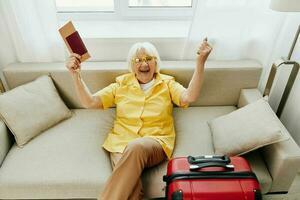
145 70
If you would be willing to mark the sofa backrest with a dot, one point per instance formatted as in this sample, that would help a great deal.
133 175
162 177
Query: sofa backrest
223 80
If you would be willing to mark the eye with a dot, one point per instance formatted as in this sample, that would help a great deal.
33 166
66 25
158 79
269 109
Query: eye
137 60
149 58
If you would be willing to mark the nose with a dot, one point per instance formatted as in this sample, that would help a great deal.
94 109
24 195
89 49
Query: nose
144 63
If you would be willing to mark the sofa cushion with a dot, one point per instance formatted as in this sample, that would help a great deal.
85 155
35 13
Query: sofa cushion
66 161
193 137
31 108
250 127
192 128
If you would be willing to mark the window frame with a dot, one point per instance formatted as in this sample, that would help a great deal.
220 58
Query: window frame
124 12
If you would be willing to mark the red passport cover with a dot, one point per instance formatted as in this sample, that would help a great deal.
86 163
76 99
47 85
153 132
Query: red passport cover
73 41
76 43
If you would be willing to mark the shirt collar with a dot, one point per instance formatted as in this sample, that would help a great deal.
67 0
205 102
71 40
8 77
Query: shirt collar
133 80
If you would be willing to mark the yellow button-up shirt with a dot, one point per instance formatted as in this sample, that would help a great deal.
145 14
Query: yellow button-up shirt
141 114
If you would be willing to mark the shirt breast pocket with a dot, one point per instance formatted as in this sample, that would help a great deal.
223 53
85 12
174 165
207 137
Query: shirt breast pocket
128 104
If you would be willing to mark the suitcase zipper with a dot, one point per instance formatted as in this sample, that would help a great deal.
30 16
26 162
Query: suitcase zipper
209 175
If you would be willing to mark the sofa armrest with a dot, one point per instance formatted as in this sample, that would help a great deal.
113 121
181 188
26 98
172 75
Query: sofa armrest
5 141
283 158
248 95
283 162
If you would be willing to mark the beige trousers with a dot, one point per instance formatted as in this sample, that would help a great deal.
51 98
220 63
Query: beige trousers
125 182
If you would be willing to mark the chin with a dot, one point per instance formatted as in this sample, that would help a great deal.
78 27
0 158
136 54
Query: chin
144 79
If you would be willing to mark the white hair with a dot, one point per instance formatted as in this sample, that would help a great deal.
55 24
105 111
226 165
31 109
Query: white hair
148 48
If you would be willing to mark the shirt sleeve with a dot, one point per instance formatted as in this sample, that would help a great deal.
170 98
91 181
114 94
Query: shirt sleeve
176 90
107 95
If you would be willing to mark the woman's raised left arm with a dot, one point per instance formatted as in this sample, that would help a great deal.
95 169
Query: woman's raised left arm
193 91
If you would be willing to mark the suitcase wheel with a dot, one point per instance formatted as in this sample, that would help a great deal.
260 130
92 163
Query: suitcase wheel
177 195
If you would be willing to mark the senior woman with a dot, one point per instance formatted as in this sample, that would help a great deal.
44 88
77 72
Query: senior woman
143 134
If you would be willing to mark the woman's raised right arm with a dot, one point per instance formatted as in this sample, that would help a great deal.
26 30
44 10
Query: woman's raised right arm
87 100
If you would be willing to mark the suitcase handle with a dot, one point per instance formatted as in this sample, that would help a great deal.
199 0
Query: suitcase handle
208 158
211 164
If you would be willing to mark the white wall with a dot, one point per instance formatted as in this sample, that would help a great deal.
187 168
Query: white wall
117 49
291 114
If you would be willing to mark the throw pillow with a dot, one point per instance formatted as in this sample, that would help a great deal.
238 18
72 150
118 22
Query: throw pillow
246 129
29 109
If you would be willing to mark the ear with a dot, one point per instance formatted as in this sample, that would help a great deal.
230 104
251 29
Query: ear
156 68
131 67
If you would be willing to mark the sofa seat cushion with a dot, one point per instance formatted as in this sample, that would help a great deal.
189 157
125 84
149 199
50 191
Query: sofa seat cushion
193 137
66 161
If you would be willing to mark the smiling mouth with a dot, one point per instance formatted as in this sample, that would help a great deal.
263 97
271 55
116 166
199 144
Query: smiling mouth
144 70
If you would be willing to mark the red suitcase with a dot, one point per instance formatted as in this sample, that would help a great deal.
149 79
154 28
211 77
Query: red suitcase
211 178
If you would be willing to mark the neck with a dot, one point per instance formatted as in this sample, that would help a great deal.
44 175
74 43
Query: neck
144 82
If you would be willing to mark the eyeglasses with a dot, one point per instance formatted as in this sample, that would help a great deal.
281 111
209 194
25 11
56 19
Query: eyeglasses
147 59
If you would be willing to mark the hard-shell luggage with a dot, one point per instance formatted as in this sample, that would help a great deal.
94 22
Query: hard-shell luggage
211 178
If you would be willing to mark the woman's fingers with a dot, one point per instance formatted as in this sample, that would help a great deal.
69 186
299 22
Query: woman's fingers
75 58
75 55
204 47
77 62
73 64
205 43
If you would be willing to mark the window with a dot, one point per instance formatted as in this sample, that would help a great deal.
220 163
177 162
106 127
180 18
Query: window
85 6
160 3
125 9
128 18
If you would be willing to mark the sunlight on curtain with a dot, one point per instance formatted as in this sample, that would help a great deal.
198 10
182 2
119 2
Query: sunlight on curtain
33 28
242 29
237 29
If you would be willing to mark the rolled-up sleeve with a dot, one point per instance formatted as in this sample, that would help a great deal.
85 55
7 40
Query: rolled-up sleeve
107 95
176 90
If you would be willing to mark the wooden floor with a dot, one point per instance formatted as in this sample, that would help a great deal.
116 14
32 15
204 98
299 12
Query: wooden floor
294 193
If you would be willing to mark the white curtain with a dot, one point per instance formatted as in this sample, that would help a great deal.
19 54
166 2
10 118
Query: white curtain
241 29
32 27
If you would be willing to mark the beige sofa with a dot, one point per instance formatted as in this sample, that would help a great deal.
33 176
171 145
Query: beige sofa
67 160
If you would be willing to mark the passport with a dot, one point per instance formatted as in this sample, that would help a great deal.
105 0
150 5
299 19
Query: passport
73 41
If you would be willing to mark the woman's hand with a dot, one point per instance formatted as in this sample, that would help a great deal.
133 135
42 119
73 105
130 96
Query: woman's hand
203 51
87 100
73 64
193 91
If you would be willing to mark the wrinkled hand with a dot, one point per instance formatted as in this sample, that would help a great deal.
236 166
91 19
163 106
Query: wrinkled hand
203 51
73 64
